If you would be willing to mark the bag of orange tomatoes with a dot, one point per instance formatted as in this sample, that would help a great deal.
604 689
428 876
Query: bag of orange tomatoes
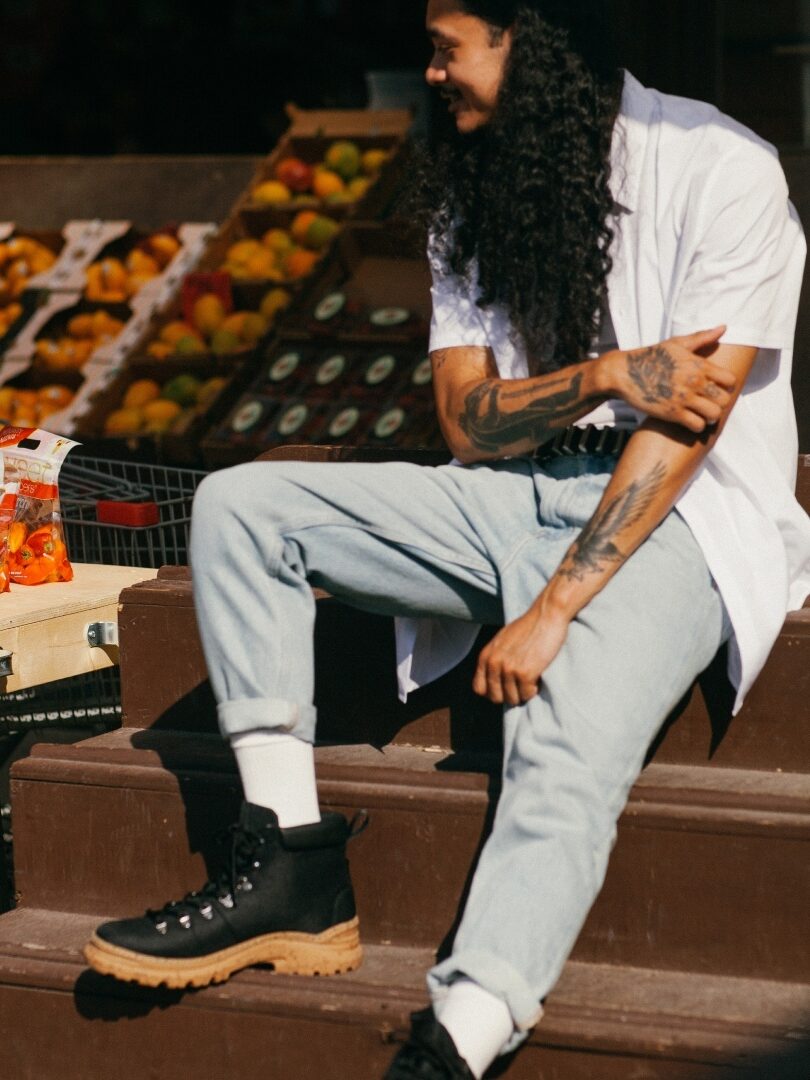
35 542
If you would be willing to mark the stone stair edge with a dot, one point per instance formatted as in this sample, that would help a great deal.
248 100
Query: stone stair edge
689 1016
398 774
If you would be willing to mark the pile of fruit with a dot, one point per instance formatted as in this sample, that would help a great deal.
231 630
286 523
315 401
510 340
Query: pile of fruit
30 408
151 409
114 281
282 255
85 333
344 176
212 329
20 259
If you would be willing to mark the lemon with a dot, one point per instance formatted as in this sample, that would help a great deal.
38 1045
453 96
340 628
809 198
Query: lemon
343 157
254 327
140 392
320 231
209 311
274 301
123 422
225 341
271 191
158 416
189 345
210 390
182 389
373 160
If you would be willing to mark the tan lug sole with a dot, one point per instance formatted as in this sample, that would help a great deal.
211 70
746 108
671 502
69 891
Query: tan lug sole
332 952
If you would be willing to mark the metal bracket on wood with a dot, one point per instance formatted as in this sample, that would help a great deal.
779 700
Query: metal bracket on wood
100 634
6 666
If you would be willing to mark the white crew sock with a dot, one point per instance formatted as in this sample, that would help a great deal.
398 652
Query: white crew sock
479 1023
278 772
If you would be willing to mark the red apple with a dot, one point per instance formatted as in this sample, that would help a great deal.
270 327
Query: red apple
296 174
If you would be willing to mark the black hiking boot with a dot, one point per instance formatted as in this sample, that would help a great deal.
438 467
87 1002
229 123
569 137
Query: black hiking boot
429 1053
285 899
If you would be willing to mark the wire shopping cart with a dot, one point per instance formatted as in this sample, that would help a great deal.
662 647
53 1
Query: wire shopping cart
125 513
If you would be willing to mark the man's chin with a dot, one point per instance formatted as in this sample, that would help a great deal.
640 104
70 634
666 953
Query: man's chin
468 122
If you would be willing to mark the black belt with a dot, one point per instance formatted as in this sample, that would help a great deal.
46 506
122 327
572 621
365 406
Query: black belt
575 441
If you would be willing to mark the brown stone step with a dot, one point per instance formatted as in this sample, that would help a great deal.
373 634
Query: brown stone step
63 1022
164 685
710 872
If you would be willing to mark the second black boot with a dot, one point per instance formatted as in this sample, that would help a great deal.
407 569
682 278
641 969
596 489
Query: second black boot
285 899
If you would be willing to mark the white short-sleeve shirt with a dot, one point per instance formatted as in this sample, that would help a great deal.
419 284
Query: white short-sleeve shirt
704 235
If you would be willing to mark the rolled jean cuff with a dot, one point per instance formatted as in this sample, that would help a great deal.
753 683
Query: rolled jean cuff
267 714
497 977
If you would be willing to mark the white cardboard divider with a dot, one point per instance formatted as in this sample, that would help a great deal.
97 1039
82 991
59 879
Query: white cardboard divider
12 366
163 290
83 241
97 377
25 342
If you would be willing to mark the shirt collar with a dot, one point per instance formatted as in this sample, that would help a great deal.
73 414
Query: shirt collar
630 133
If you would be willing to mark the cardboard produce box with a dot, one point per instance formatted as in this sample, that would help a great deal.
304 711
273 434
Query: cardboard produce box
374 287
328 392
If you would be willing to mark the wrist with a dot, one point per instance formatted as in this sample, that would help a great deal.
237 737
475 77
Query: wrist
558 601
606 373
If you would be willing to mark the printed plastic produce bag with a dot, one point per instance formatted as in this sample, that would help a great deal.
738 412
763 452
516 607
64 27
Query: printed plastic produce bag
8 501
36 551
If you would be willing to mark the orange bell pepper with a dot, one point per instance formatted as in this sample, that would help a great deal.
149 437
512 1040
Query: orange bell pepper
16 536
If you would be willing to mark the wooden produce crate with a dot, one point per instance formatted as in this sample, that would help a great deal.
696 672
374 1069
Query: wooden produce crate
248 291
179 442
308 138
18 299
116 240
24 369
374 287
44 628
62 243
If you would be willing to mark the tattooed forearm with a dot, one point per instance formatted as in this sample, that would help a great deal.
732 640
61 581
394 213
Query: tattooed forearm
490 428
652 370
595 548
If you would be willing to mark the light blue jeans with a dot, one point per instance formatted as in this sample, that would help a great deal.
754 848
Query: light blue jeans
477 543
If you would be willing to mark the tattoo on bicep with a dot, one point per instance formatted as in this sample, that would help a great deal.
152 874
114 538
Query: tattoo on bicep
652 370
595 547
439 358
490 428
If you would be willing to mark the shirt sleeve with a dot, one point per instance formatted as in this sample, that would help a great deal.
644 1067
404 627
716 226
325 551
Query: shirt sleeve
456 318
747 249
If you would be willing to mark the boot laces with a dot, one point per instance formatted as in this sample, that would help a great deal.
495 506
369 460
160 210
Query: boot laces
225 888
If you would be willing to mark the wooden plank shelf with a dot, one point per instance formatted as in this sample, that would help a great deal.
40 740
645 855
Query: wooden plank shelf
45 627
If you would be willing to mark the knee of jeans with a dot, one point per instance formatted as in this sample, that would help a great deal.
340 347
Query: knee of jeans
222 501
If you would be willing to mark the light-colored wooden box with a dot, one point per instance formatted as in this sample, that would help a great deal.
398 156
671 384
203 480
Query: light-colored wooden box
45 627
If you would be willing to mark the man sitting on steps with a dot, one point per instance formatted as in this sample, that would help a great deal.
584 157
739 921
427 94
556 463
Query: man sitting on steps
616 280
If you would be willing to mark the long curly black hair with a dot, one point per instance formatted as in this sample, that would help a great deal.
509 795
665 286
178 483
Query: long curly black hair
526 198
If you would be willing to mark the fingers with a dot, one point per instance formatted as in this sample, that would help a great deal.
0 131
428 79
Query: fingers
501 685
702 338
